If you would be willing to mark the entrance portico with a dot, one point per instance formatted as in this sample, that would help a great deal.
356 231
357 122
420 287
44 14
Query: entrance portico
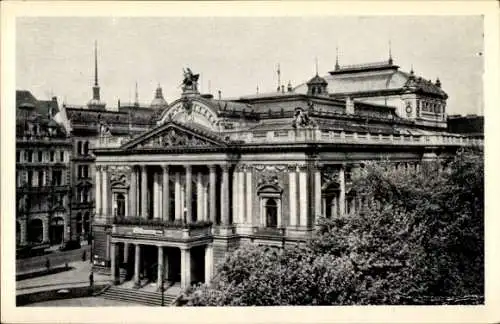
182 263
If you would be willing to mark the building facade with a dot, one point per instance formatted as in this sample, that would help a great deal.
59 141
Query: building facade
43 174
214 174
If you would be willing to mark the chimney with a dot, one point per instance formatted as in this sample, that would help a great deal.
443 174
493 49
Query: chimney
54 99
220 94
349 106
282 89
118 103
289 89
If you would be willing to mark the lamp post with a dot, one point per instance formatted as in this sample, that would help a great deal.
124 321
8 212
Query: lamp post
162 287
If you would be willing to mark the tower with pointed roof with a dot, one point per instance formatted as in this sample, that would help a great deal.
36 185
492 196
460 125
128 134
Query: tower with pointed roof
96 103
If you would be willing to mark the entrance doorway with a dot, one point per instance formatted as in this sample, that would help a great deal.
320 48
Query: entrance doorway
56 230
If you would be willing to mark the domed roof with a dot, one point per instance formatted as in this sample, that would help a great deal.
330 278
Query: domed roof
159 101
317 80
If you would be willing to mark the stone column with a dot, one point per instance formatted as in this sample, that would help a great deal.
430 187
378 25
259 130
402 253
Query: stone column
199 197
189 194
225 195
205 201
155 195
160 268
144 192
208 263
165 194
177 196
114 268
212 189
133 194
249 195
241 196
342 190
137 264
317 192
185 268
45 230
292 178
105 193
235 179
125 253
98 192
303 195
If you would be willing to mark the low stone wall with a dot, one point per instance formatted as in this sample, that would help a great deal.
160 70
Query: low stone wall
40 296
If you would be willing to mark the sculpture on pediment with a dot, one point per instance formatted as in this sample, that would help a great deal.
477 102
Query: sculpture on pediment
187 105
268 178
174 138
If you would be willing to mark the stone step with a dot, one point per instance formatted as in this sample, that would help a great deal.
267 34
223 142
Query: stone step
137 296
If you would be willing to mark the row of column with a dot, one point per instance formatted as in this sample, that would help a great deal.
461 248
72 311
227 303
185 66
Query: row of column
162 269
138 195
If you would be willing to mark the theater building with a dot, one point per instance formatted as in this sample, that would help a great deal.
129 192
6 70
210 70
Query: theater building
216 173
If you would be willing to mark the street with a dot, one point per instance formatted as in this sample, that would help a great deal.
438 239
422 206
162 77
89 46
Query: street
56 258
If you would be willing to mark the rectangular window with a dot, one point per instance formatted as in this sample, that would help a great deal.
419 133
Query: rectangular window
56 177
40 156
30 178
18 156
41 180
61 156
29 156
52 156
86 171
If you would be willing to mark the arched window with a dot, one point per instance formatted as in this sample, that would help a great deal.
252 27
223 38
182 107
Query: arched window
120 205
35 231
270 205
79 223
271 213
86 222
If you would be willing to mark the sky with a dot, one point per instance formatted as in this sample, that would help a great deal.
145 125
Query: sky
55 55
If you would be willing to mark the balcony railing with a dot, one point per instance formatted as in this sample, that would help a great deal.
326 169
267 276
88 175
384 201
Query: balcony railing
343 137
161 229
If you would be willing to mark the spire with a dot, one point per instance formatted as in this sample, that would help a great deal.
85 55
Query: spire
96 83
438 82
95 102
390 53
411 71
279 77
316 61
136 102
337 66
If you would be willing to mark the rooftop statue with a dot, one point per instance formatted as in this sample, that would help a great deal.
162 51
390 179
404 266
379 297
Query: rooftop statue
190 80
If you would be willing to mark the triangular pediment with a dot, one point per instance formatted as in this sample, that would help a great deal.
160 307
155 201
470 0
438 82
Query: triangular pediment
174 135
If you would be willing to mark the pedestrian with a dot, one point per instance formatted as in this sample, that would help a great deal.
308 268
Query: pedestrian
91 279
47 264
84 255
66 265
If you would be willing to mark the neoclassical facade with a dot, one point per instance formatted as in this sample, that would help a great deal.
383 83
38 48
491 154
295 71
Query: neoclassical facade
216 173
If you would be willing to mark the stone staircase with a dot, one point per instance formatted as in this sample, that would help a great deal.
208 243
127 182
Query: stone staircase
138 296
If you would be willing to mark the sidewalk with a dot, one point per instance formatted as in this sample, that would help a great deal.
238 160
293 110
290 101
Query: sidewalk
77 277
